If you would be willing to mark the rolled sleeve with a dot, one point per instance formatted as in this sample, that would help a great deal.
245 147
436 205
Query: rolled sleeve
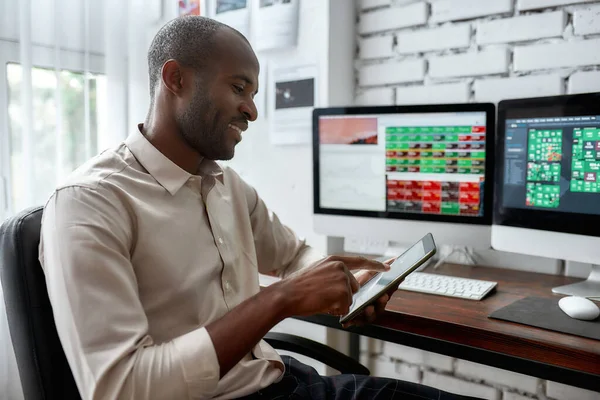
199 361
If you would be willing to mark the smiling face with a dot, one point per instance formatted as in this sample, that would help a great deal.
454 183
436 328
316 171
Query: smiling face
221 104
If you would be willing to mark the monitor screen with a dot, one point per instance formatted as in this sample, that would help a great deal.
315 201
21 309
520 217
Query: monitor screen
404 162
553 163
548 174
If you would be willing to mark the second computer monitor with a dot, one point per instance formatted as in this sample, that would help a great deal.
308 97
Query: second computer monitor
397 172
548 177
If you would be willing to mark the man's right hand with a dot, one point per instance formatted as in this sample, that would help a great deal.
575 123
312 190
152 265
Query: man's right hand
325 287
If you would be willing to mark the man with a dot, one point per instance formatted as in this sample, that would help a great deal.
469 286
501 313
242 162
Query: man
151 250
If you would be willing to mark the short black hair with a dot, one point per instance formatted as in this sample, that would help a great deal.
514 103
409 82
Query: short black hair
189 40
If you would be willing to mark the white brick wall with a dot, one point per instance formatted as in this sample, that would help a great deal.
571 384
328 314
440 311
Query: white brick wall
584 82
455 10
365 4
395 370
384 368
559 391
497 376
550 56
472 50
459 376
434 39
495 89
486 62
587 20
416 356
513 396
525 5
398 72
434 94
393 18
375 97
459 386
458 51
376 47
518 29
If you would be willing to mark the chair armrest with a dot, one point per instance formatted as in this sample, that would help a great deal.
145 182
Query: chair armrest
317 351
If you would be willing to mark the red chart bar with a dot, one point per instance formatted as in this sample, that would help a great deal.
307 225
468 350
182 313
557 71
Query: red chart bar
469 187
434 208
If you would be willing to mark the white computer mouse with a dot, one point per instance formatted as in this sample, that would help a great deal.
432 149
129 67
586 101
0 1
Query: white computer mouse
579 308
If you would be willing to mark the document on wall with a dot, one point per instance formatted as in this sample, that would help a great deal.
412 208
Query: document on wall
274 24
292 95
235 13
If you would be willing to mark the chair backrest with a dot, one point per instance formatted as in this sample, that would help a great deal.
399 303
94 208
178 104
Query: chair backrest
43 367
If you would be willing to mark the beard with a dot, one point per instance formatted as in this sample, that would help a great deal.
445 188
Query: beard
202 128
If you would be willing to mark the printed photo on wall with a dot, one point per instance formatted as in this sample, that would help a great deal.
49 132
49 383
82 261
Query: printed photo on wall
189 7
230 5
268 3
235 13
292 95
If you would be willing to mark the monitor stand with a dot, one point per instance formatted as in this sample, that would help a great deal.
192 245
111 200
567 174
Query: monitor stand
588 288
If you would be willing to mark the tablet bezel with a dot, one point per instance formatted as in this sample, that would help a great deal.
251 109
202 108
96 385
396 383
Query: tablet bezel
430 250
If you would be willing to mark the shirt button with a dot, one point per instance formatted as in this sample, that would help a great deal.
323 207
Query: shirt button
220 240
227 286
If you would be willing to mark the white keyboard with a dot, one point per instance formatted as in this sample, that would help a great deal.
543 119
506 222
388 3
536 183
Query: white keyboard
443 285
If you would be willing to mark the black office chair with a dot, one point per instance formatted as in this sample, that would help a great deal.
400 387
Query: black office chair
43 367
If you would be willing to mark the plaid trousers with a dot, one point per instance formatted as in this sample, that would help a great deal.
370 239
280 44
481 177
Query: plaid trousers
301 381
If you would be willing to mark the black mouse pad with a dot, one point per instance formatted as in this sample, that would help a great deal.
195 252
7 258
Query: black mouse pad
544 313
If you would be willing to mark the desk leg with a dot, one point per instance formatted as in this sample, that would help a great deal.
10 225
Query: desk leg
354 346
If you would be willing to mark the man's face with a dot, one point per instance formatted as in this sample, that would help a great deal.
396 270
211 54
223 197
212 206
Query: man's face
222 101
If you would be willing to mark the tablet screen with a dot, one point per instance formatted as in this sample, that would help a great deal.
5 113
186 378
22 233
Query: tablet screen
398 268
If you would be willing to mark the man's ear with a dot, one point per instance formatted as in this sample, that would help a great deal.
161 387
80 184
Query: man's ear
172 77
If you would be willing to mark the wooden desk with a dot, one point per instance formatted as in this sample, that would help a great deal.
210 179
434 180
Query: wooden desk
461 328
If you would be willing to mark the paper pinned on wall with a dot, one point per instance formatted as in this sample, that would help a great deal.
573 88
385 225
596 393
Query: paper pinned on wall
235 13
292 96
274 24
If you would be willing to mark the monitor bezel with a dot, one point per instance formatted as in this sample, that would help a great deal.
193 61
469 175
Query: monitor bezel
554 106
488 196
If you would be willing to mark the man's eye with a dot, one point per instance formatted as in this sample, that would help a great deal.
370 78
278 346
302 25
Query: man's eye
238 89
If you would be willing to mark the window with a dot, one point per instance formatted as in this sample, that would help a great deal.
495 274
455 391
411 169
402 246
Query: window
40 162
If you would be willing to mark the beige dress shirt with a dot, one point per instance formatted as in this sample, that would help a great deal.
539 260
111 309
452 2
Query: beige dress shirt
140 256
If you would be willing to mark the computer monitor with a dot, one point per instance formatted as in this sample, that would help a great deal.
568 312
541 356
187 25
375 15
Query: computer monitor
548 181
398 172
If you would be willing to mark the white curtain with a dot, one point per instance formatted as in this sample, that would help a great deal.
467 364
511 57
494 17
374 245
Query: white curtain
73 81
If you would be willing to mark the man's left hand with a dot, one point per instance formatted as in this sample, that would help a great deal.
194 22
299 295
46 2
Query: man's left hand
370 313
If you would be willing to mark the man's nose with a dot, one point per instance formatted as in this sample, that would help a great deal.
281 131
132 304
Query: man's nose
249 111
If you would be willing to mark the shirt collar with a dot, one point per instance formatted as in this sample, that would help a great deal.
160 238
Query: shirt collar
168 174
